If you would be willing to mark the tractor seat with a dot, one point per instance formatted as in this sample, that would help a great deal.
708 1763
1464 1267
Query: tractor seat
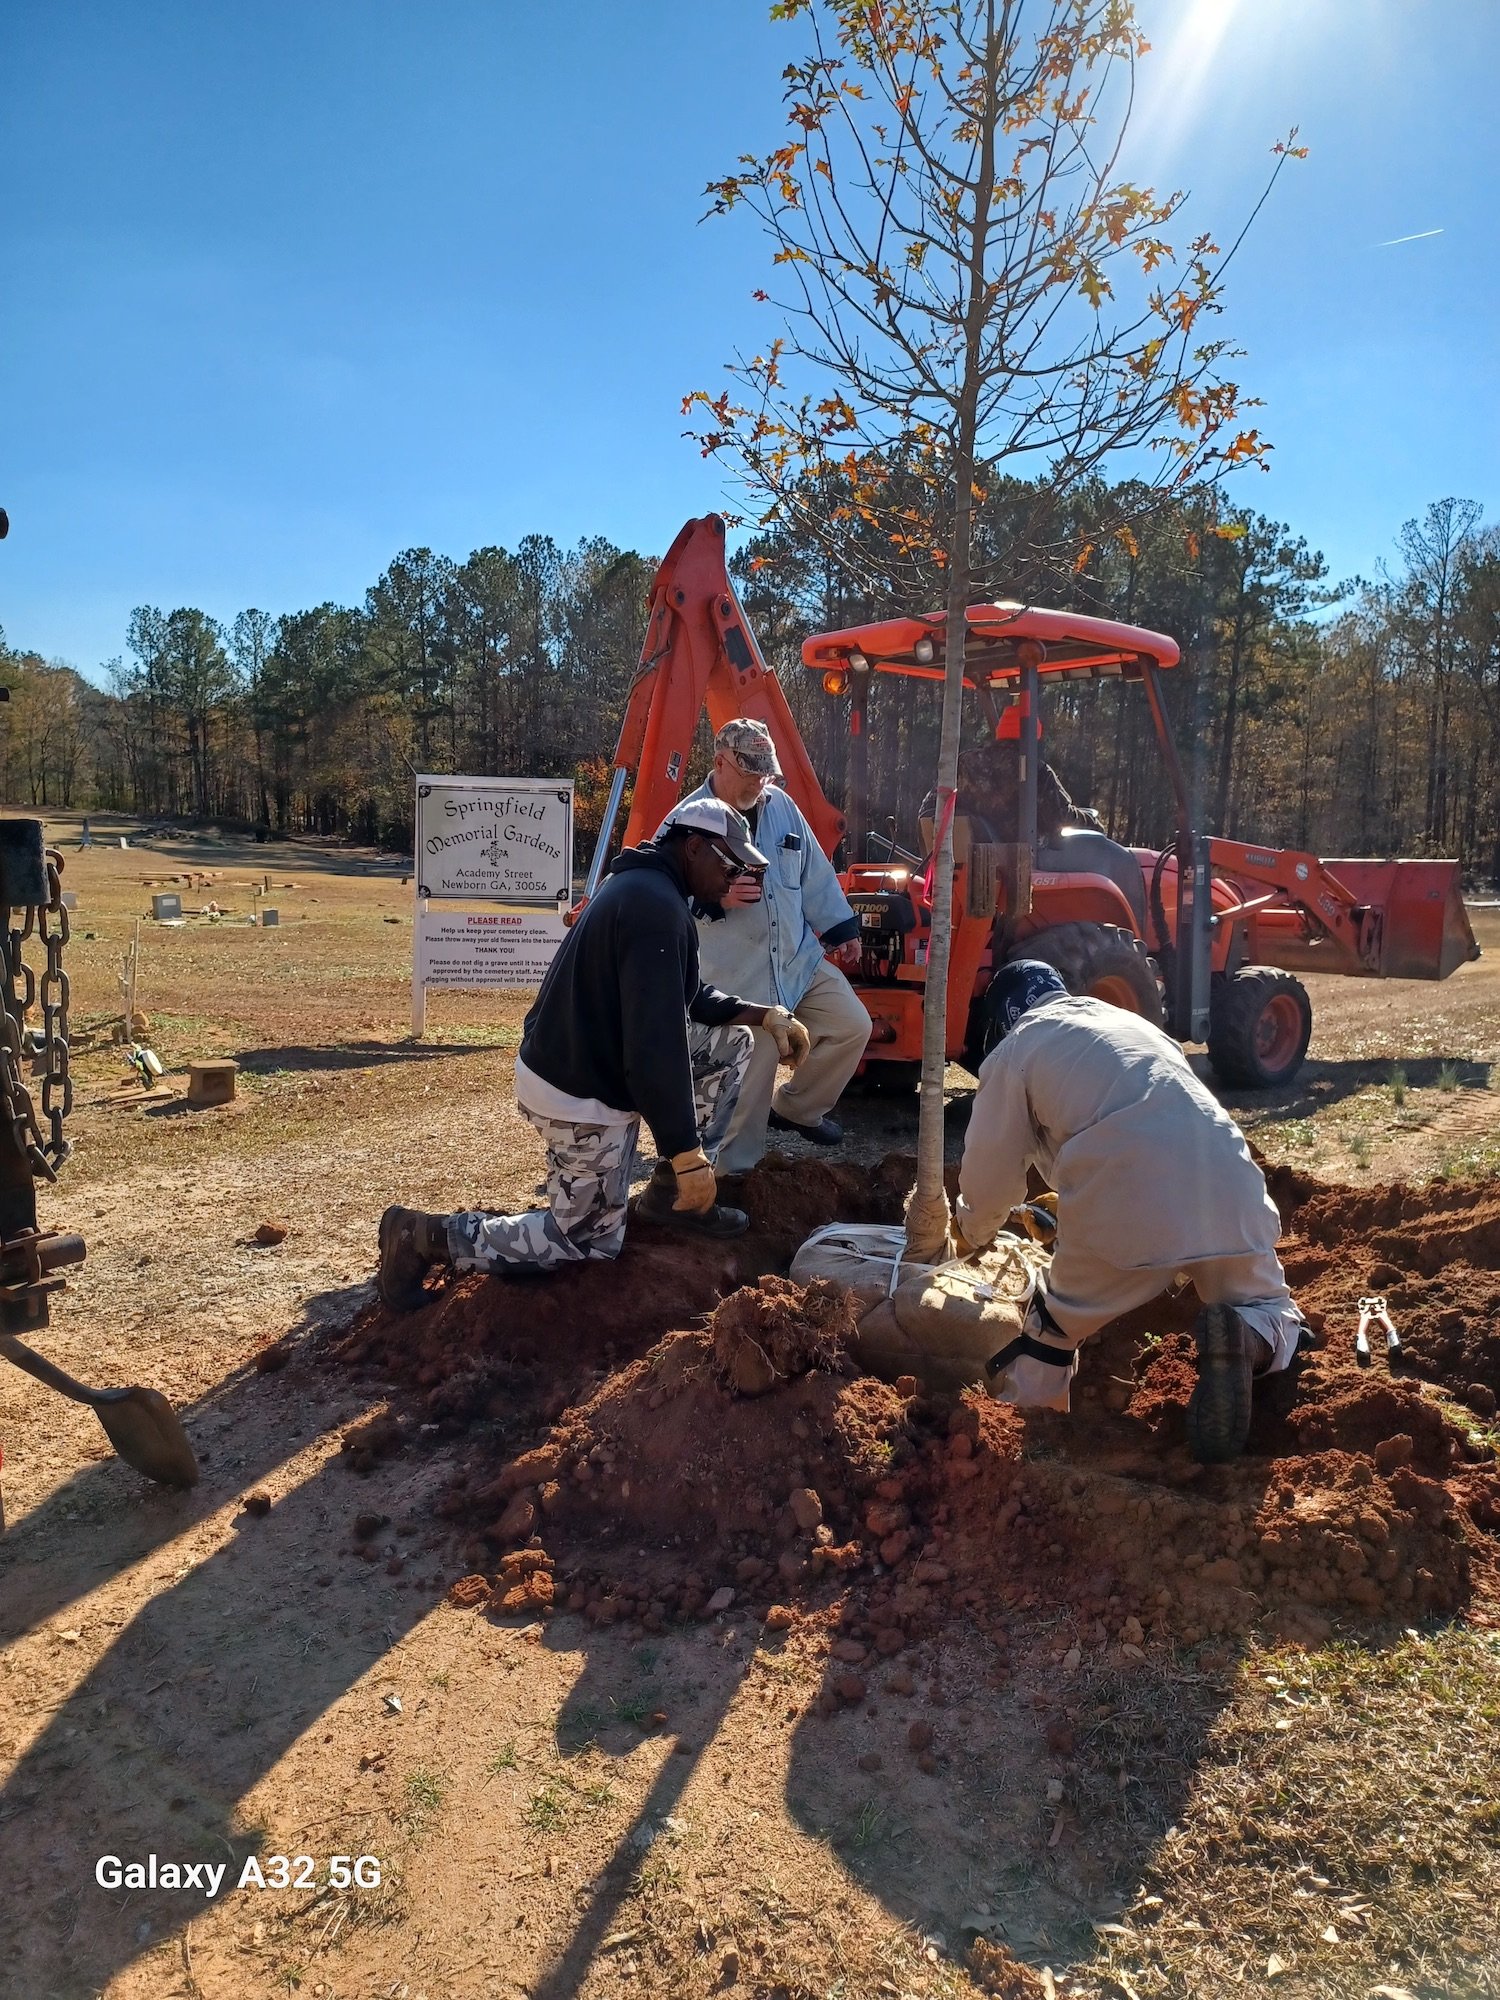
1076 851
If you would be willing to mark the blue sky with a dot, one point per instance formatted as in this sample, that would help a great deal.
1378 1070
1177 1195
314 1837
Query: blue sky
285 288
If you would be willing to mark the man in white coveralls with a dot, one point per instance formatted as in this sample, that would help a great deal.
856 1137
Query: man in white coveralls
769 940
1153 1181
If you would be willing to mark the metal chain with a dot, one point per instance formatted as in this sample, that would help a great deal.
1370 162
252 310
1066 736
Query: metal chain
57 1083
50 922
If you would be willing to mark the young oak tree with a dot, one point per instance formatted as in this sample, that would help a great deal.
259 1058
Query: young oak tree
973 286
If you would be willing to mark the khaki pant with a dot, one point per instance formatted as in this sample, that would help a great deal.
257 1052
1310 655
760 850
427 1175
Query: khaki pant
836 1021
589 1169
1085 1293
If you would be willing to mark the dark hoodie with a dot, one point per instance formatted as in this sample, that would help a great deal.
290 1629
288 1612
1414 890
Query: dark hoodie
611 1019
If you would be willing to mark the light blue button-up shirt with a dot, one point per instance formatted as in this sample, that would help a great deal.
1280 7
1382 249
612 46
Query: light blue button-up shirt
769 951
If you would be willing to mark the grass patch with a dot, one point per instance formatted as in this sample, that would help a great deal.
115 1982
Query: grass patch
1398 1085
504 1759
1447 1079
870 1828
425 1792
1473 1162
580 1727
1300 1133
636 1707
1373 1810
477 1035
547 1808
554 1801
593 1792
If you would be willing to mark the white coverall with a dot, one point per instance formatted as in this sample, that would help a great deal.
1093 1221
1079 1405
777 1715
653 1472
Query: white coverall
1153 1178
773 949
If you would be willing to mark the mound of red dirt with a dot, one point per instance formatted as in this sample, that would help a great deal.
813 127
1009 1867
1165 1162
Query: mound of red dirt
633 1470
529 1345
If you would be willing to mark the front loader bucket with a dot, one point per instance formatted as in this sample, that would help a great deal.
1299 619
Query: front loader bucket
1426 933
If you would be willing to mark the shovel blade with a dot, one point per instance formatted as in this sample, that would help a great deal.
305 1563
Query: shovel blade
147 1433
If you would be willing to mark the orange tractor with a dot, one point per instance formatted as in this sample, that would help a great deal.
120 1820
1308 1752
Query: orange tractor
1204 936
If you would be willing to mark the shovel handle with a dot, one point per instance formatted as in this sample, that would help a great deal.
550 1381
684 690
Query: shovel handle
47 1372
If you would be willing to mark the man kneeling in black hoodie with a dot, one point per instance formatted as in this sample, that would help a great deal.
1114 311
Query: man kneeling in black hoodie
622 1030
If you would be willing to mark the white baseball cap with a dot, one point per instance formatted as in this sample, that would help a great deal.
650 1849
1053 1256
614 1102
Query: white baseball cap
720 822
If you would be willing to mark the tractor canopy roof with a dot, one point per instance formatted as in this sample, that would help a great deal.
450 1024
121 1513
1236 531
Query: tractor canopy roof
1073 647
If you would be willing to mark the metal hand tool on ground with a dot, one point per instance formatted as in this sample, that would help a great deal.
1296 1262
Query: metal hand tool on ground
1373 1311
140 1423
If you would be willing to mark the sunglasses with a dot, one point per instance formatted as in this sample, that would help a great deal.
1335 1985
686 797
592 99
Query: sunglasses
726 860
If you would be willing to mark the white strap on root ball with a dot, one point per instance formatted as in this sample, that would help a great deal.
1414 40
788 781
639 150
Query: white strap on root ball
940 1321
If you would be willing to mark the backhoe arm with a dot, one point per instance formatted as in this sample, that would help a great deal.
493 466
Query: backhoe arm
699 653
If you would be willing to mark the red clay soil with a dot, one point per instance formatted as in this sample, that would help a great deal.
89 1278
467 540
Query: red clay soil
621 1468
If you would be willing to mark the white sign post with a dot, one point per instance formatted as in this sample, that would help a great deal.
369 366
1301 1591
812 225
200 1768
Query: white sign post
497 841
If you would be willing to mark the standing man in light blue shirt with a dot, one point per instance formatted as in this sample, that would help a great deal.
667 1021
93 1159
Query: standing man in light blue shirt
769 944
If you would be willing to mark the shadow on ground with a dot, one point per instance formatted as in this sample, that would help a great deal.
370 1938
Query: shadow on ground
225 1665
1320 1085
333 1056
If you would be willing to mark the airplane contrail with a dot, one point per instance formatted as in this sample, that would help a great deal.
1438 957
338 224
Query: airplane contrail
1391 243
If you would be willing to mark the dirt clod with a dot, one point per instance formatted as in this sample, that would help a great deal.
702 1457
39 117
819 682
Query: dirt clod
1005 1978
1392 1452
771 1331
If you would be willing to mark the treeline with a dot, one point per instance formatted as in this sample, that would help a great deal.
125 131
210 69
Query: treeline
1349 718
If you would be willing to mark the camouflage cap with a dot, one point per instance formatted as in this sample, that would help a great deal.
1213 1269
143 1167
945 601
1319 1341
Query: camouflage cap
751 745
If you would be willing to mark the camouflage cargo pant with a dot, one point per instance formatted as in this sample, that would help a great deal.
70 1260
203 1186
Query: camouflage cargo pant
589 1169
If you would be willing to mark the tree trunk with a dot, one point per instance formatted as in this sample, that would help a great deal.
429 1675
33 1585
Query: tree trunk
927 1210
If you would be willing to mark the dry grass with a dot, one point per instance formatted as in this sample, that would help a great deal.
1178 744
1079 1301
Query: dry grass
1343 1831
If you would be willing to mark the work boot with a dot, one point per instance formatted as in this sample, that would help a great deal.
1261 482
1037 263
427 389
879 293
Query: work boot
1230 1356
826 1132
411 1242
655 1204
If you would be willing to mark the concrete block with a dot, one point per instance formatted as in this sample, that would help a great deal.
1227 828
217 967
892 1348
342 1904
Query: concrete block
212 1082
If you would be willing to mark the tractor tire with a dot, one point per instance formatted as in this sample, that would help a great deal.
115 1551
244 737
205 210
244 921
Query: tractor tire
1259 1021
1101 960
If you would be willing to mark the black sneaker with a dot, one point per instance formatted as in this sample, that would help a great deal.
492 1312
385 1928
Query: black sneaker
827 1131
1218 1411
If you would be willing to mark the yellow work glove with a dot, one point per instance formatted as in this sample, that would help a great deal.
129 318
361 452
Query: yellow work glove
792 1040
696 1186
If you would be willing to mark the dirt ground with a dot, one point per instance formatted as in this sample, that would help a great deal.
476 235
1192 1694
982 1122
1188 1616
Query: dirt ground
994 1759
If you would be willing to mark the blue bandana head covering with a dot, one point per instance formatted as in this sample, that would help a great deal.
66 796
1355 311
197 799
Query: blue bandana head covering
1018 987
